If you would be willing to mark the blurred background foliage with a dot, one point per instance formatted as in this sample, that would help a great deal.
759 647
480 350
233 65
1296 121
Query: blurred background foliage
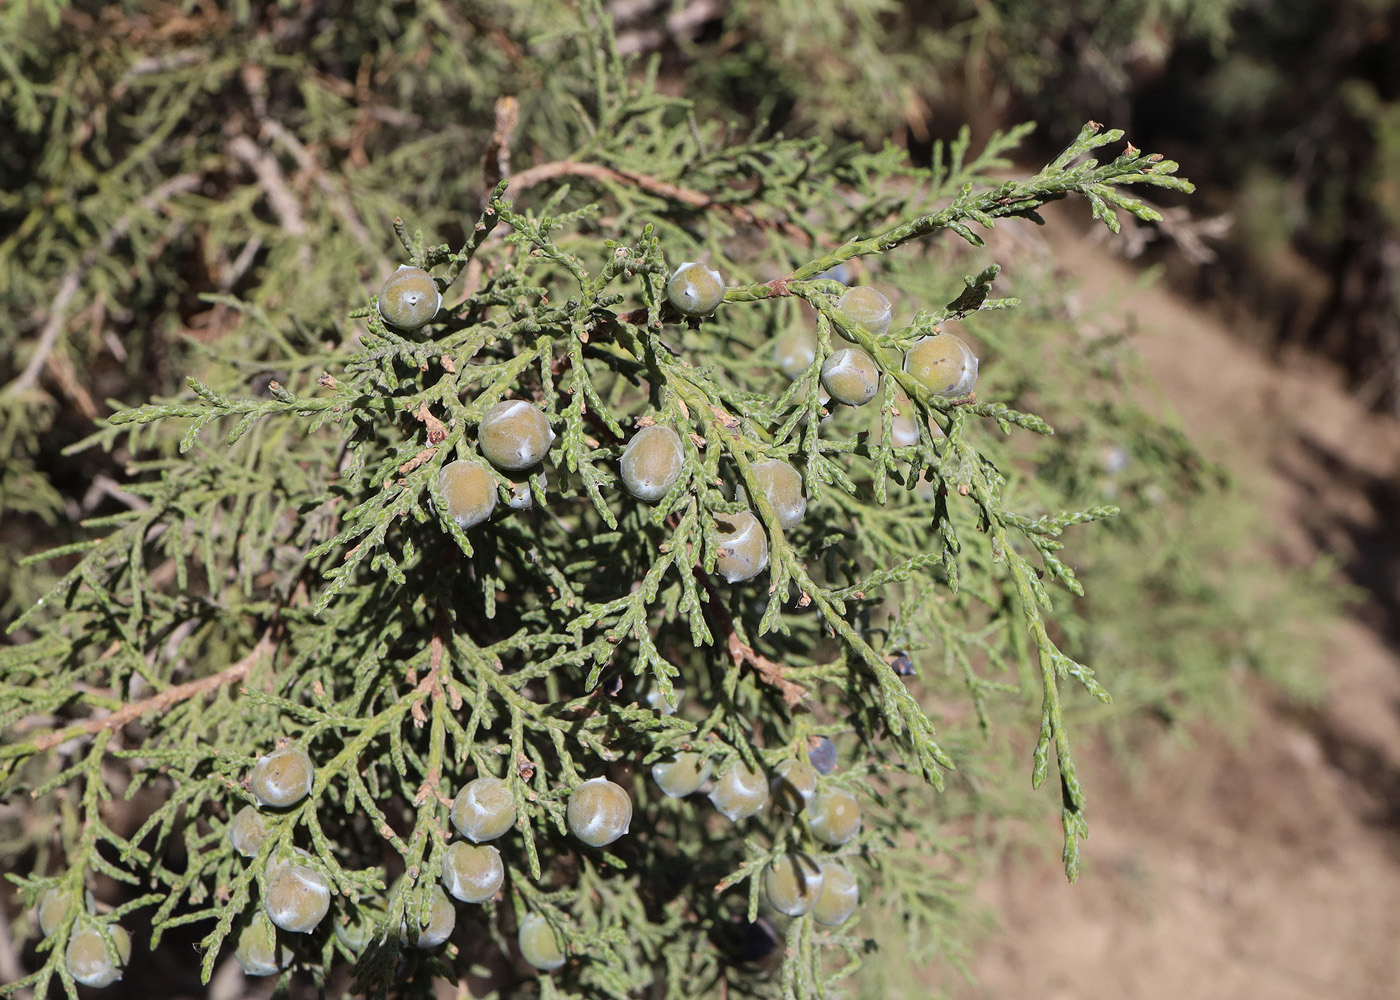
182 183
1287 112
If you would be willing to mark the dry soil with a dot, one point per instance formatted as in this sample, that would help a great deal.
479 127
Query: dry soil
1266 863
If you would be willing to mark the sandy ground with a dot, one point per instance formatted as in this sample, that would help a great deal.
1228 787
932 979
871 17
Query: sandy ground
1263 864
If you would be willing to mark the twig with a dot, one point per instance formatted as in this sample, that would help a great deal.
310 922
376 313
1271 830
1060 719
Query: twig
339 202
233 272
769 671
364 122
270 178
542 172
160 702
596 171
496 163
683 23
68 287
431 684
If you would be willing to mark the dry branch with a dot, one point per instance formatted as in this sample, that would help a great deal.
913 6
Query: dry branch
162 701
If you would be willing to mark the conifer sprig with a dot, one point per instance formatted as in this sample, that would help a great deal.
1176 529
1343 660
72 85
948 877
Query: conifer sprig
282 565
495 652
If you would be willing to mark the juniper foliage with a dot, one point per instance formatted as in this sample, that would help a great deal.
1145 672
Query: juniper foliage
281 569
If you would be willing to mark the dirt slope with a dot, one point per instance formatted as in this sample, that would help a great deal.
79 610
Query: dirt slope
1267 865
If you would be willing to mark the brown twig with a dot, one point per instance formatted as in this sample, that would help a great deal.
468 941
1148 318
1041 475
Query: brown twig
364 119
496 162
769 671
162 701
595 171
540 173
431 684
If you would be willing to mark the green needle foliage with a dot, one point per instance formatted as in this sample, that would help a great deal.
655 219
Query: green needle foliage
284 569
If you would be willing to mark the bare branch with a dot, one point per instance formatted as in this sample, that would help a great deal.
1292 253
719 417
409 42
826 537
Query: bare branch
769 671
162 701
